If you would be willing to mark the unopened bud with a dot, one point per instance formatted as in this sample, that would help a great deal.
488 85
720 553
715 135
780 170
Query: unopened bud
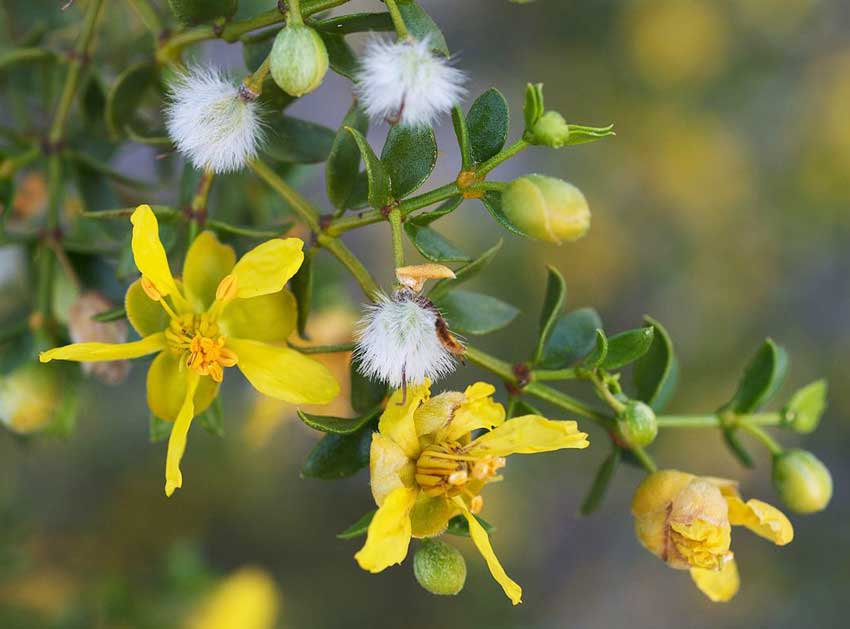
550 130
299 59
83 329
802 481
546 208
439 568
636 424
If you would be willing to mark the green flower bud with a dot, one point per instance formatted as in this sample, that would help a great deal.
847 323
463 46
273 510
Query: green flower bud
802 481
30 396
299 60
636 424
439 568
190 12
546 208
550 130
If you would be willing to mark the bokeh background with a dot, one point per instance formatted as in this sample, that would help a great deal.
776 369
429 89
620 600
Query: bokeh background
721 208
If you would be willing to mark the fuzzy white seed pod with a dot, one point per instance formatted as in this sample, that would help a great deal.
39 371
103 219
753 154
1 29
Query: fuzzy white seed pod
407 82
212 122
398 341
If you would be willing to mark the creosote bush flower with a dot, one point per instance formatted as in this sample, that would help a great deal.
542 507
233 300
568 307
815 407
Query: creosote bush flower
426 468
686 520
223 313
211 121
407 82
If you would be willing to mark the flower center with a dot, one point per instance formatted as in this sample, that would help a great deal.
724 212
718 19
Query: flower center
446 469
196 338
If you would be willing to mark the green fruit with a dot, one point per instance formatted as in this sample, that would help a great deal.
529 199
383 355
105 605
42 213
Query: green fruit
546 208
550 130
439 568
636 424
299 60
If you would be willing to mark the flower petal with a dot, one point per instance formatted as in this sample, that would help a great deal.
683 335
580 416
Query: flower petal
529 434
166 386
268 318
761 518
482 543
284 373
389 467
268 267
148 251
397 422
718 585
146 315
207 262
477 411
179 432
91 352
388 537
430 515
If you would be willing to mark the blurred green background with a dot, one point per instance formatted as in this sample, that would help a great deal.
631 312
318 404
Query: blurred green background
720 208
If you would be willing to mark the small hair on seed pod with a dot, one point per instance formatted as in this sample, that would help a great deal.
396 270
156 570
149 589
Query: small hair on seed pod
211 121
398 342
406 82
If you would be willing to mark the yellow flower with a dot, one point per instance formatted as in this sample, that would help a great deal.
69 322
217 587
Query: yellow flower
687 520
248 599
425 468
223 313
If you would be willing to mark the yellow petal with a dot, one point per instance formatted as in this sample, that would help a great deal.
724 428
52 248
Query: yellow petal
434 415
761 518
207 261
166 387
267 267
477 411
529 434
146 315
397 421
482 543
268 318
718 585
430 515
389 467
657 491
92 352
284 373
177 440
388 537
148 251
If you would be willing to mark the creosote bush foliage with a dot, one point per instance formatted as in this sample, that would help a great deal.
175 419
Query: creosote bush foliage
206 296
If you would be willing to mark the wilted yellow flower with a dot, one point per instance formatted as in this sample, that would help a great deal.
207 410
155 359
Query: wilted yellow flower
223 313
247 599
425 468
687 520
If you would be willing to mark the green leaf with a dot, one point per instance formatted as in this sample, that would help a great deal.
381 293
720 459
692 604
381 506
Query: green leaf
521 407
356 23
473 313
737 448
189 12
492 200
533 107
158 429
339 456
409 157
298 141
302 287
341 57
212 419
366 394
488 120
432 245
379 179
360 194
805 408
127 93
573 336
553 304
761 379
462 134
359 528
466 272
110 315
421 26
338 425
600 482
460 527
93 99
656 372
447 207
18 56
343 165
626 347
600 350
580 134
